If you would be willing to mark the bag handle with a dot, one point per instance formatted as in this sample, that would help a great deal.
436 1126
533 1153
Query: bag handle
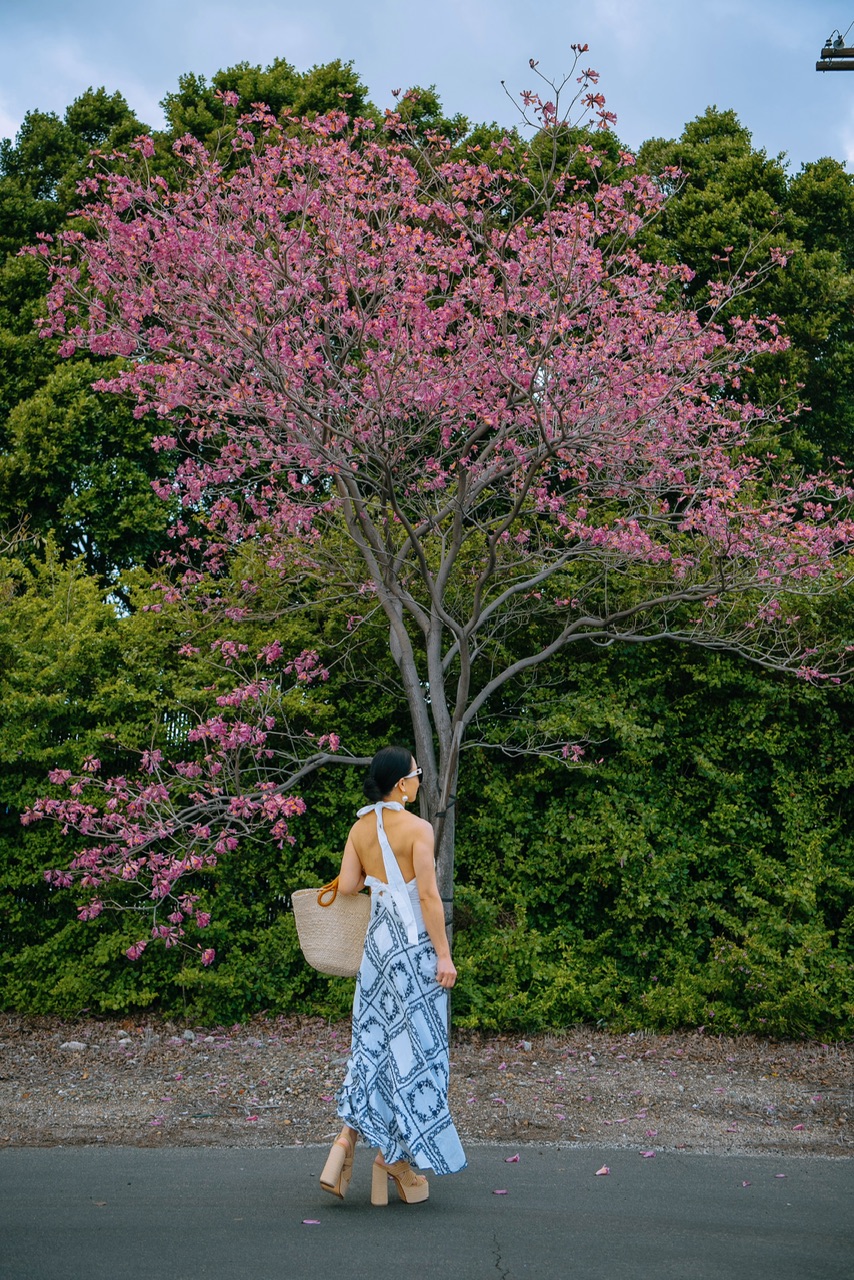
332 888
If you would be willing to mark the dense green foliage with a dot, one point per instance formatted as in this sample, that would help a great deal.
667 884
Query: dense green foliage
732 203
702 872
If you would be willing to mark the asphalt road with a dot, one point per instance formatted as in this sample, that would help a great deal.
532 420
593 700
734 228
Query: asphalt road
83 1213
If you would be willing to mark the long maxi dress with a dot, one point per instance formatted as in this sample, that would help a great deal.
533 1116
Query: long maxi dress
395 1092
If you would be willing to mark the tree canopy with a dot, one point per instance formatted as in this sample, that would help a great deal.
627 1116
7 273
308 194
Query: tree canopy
503 415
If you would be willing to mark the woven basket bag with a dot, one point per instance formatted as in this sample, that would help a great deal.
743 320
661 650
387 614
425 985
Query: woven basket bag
331 928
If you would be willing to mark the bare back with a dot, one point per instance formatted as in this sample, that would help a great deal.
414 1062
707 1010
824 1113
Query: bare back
403 830
412 843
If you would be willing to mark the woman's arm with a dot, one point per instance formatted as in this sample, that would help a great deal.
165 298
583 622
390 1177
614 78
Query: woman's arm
431 903
351 877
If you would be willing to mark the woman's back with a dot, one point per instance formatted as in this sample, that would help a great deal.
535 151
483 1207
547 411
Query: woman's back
402 830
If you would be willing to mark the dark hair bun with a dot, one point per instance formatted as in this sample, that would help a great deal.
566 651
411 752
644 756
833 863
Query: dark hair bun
388 766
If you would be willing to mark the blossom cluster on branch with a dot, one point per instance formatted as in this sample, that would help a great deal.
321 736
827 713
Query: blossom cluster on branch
150 834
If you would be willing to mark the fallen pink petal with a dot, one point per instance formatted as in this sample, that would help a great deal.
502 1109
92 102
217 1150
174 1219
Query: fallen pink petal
499 1192
779 1175
648 1155
511 1159
251 1117
600 1173
796 1127
311 1222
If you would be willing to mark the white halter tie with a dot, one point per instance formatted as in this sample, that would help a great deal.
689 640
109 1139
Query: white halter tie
396 886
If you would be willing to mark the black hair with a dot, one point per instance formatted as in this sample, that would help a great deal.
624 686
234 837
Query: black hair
388 766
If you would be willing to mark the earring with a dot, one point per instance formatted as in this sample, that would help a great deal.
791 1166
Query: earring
404 797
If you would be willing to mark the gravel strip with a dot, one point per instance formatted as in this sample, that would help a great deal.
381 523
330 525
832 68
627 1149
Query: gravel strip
272 1082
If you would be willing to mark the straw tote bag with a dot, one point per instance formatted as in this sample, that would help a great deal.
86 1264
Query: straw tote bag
331 928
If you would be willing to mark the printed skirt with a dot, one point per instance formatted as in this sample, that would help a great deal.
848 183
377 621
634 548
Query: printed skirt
395 1092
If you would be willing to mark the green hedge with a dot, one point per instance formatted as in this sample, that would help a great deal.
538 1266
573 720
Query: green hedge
701 873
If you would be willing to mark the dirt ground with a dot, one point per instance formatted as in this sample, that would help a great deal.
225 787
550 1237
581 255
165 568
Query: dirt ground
272 1082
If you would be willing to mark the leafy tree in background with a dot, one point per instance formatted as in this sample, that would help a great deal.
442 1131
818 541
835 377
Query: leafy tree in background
84 470
40 170
66 466
197 107
728 198
731 204
816 300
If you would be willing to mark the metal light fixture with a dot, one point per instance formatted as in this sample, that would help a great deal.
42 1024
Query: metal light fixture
835 54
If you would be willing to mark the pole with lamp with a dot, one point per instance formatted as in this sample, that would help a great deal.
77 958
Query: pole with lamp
836 55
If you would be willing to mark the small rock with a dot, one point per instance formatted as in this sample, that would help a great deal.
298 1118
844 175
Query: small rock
189 1036
76 1045
526 1046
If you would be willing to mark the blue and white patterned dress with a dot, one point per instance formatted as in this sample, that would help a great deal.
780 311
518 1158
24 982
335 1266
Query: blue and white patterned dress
395 1092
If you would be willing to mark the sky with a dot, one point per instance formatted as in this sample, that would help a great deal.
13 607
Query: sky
662 62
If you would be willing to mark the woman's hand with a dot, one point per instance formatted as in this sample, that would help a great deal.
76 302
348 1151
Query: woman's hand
446 974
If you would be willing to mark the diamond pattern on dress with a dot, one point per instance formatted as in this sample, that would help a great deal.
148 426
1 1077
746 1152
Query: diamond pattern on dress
395 1092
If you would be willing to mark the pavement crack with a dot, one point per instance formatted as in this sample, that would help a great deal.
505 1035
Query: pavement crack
503 1272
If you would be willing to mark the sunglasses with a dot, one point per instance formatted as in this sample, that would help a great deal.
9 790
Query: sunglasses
416 773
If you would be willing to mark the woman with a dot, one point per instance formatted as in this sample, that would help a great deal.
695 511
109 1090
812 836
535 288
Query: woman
395 1091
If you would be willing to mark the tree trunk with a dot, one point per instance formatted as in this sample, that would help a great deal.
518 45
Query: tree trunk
441 767
445 864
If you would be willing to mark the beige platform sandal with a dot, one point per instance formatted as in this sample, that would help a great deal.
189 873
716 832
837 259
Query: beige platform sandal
338 1169
412 1187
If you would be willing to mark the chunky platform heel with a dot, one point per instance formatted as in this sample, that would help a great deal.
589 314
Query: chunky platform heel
338 1169
412 1187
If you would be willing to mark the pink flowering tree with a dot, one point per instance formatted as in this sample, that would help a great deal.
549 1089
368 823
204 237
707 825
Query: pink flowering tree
149 835
456 393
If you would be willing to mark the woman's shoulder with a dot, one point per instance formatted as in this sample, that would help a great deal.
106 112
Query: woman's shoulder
363 823
419 826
